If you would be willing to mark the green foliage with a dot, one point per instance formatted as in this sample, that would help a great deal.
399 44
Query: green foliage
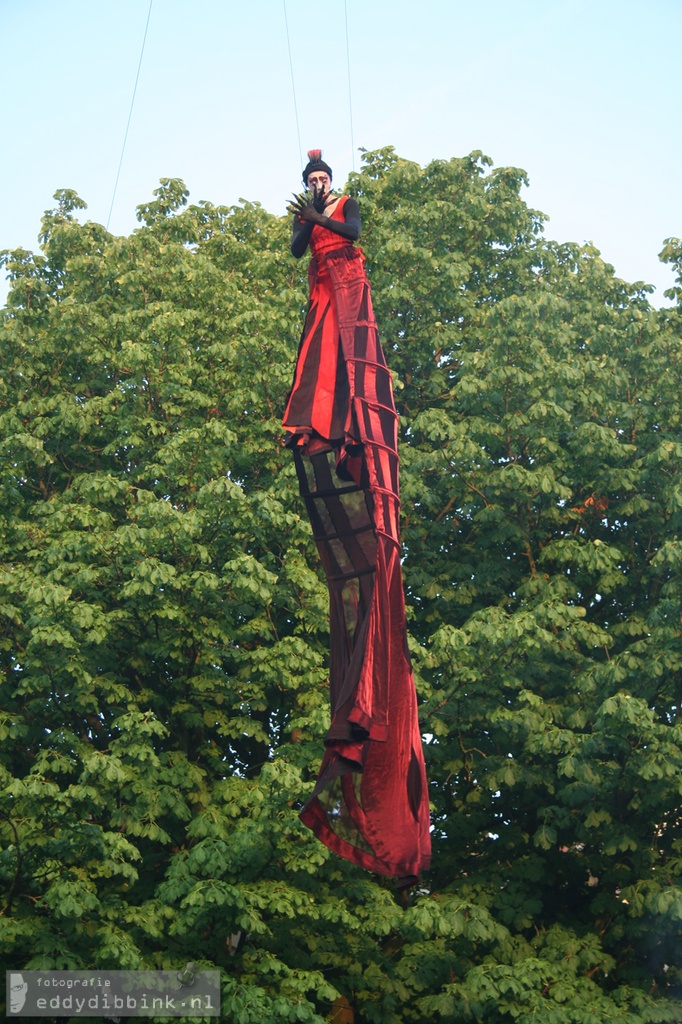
163 622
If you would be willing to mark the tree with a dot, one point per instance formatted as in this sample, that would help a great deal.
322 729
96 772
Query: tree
163 686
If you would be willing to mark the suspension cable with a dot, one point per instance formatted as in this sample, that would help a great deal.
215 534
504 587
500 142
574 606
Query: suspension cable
350 94
293 84
130 113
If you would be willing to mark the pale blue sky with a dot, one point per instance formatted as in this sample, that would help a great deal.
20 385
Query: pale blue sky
583 94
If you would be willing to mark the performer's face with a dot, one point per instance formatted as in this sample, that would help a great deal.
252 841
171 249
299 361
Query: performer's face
319 181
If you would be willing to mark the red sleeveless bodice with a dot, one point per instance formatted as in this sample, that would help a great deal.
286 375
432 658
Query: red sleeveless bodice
322 240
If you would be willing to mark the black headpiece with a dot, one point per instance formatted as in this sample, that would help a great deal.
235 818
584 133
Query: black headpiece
315 163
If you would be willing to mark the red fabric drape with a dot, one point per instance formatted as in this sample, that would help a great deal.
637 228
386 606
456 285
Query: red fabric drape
370 803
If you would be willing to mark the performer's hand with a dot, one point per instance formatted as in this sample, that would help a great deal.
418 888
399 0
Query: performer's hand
303 206
297 204
320 199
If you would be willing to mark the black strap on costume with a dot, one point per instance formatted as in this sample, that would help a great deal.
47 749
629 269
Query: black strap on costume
347 228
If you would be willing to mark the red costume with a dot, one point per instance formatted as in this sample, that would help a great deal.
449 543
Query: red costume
370 803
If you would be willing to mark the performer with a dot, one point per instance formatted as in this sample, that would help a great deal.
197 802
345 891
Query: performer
370 803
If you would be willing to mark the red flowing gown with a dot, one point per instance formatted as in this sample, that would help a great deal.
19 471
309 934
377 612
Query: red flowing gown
370 803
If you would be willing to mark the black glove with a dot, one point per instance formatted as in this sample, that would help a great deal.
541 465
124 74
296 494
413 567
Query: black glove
299 204
320 200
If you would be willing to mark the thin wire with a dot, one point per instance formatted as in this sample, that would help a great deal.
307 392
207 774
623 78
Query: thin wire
130 113
293 85
350 95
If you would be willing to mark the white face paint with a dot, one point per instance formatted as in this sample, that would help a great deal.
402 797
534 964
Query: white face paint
319 181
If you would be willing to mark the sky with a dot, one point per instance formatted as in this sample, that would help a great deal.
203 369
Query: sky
582 94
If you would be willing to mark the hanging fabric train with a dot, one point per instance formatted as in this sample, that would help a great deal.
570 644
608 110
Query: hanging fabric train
370 803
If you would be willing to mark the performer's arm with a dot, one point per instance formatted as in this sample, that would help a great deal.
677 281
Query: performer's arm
348 228
300 237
